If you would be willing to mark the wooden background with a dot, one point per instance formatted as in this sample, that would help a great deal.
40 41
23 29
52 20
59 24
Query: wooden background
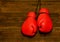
14 12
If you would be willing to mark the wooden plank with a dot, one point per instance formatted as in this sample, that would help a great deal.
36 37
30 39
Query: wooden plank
17 7
14 34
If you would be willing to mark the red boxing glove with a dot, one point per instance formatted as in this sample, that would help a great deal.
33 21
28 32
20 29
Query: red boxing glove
29 26
44 21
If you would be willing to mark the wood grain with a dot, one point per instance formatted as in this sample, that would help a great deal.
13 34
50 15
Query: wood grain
14 12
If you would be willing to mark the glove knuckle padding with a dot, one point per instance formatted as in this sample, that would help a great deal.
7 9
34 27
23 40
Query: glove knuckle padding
29 27
44 22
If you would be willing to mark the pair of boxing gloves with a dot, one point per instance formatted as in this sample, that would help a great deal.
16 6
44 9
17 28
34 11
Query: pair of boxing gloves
43 23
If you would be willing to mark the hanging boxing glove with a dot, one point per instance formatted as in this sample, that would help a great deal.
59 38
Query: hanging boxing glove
44 21
29 26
